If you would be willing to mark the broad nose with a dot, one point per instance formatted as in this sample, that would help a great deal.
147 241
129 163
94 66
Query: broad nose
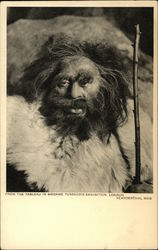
76 90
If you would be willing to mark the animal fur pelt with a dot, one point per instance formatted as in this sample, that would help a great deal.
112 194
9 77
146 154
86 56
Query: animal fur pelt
67 164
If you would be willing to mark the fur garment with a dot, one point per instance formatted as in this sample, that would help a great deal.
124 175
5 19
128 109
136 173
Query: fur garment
67 164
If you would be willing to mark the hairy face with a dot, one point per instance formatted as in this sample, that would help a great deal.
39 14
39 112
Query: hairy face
70 94
77 82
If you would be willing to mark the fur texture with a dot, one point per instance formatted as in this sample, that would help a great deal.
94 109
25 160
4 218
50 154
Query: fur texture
58 163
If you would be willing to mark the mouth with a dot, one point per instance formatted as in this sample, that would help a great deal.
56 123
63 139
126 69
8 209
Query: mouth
77 111
78 108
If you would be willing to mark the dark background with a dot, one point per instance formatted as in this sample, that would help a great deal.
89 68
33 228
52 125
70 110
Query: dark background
125 18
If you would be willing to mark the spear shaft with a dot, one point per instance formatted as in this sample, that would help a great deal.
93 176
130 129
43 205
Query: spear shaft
136 106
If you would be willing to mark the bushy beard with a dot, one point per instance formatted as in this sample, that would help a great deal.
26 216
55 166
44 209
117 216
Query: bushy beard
56 110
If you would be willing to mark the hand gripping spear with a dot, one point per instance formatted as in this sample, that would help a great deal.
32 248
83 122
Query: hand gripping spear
137 179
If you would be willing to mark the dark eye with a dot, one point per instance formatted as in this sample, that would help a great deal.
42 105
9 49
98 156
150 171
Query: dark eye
63 84
84 81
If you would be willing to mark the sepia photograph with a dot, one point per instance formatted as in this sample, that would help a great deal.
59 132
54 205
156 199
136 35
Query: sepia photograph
80 99
78 125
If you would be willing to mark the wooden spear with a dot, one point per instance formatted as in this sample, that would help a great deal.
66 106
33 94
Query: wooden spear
137 179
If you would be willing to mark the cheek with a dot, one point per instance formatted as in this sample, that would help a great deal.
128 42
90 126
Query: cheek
92 89
61 91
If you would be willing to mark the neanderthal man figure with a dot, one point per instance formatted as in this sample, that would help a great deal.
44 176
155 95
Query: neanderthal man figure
70 124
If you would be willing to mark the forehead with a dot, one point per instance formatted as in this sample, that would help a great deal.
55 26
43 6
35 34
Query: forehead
77 64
